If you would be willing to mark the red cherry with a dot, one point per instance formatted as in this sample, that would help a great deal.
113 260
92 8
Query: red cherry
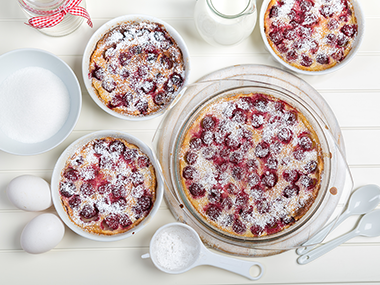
349 30
67 189
118 192
322 59
208 122
291 176
71 174
257 120
144 203
143 161
117 147
142 106
333 24
160 98
299 153
213 211
232 189
195 143
269 179
105 188
87 189
253 179
291 191
111 222
189 172
290 118
238 227
331 39
308 182
137 178
232 142
98 73
124 58
75 201
311 166
271 163
191 157
130 155
306 60
257 230
290 33
239 116
305 142
262 150
326 11
285 135
207 137
238 173
209 153
261 104
88 212
109 84
273 12
236 157
197 190
125 221
292 55
100 146
262 206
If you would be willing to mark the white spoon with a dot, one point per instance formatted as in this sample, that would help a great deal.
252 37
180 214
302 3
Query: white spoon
363 200
176 248
368 226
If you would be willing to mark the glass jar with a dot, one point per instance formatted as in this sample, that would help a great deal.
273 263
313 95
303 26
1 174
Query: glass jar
50 8
225 22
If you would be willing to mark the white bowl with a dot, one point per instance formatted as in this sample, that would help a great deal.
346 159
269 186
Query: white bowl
12 62
360 18
101 32
70 150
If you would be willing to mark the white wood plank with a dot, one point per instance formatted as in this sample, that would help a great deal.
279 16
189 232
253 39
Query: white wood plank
352 92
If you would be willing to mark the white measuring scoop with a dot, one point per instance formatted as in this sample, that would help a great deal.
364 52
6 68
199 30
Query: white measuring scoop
369 226
176 248
363 200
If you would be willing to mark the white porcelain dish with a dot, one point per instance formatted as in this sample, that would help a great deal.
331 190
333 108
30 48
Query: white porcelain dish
361 26
60 164
107 27
15 60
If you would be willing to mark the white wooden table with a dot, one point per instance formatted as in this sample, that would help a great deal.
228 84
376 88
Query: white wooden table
353 94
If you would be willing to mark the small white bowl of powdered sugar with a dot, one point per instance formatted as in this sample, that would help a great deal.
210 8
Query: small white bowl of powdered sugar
40 101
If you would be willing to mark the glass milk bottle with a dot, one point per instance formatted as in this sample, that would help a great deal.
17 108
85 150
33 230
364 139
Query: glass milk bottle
225 22
50 10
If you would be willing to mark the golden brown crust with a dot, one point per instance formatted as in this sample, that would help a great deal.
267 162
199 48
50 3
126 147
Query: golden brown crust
311 35
108 186
242 188
137 68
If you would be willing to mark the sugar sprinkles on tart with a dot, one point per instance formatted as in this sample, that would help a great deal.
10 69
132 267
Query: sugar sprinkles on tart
137 68
311 35
107 186
237 179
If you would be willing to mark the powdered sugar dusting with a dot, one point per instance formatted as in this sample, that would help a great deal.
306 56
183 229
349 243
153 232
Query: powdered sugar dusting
242 168
137 68
311 35
108 185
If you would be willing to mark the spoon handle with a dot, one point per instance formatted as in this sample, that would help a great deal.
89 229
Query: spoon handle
235 265
315 253
319 237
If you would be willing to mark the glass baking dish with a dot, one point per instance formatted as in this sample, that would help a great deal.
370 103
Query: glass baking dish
337 182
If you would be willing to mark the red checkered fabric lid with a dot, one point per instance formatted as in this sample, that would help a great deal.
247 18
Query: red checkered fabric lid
54 19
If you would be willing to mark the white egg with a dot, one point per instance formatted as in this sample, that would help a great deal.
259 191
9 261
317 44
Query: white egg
29 193
42 234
